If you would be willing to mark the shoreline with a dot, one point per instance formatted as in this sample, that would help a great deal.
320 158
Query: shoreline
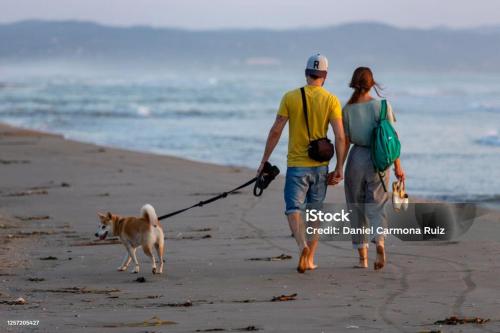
489 202
225 262
118 148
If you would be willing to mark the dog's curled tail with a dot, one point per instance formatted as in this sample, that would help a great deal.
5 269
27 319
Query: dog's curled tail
149 213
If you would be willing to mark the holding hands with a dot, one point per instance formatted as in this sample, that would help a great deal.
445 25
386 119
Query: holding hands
335 177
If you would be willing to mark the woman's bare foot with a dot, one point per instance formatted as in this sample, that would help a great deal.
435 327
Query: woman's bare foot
363 263
380 261
301 268
363 258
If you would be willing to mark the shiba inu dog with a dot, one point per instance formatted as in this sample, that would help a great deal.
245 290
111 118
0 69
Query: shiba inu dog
133 232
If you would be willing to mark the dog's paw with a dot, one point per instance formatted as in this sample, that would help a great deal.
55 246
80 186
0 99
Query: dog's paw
154 270
136 270
121 269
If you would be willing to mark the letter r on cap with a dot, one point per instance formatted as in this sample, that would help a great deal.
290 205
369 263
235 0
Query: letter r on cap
316 64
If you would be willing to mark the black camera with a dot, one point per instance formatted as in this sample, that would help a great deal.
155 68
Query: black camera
265 177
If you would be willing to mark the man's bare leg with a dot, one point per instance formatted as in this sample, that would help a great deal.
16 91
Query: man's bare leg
313 244
297 227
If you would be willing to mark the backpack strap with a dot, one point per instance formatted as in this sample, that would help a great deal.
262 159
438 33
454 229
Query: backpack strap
381 175
383 109
383 116
304 107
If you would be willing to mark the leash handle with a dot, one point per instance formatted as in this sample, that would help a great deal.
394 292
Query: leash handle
257 190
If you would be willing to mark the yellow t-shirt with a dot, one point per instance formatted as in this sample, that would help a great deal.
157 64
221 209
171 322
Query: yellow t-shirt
322 107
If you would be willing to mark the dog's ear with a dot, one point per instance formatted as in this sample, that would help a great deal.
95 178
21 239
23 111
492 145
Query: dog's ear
101 216
110 216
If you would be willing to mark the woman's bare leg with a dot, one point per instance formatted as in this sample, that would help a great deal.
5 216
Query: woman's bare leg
380 261
363 258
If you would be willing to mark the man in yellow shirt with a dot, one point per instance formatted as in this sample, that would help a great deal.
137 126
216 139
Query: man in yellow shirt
306 179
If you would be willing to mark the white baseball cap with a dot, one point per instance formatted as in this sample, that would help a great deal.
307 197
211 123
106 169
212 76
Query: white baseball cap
317 65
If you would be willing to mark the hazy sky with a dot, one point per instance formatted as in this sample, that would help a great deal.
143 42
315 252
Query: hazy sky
202 14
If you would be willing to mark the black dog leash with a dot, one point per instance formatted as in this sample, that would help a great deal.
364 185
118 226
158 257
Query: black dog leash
262 181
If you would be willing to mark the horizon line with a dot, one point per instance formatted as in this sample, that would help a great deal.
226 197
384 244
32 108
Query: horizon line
276 29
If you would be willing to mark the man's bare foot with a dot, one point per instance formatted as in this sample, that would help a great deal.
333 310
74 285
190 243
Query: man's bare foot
310 263
380 261
311 266
301 268
363 263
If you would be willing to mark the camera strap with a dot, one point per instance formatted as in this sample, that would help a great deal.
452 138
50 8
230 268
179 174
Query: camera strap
304 107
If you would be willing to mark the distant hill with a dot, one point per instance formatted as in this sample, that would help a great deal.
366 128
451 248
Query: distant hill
346 45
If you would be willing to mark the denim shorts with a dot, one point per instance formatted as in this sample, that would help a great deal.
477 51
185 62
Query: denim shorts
305 187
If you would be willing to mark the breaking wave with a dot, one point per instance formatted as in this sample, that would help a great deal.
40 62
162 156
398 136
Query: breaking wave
492 139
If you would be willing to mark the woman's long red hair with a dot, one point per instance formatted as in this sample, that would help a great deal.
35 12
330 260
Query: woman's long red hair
362 81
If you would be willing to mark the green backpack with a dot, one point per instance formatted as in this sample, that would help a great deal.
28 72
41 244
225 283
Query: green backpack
385 145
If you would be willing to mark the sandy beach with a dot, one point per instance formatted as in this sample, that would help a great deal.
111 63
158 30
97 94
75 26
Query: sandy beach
51 189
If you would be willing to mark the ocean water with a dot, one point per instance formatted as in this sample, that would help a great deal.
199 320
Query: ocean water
449 124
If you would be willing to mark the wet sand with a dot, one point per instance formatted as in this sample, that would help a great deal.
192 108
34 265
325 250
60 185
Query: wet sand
51 189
